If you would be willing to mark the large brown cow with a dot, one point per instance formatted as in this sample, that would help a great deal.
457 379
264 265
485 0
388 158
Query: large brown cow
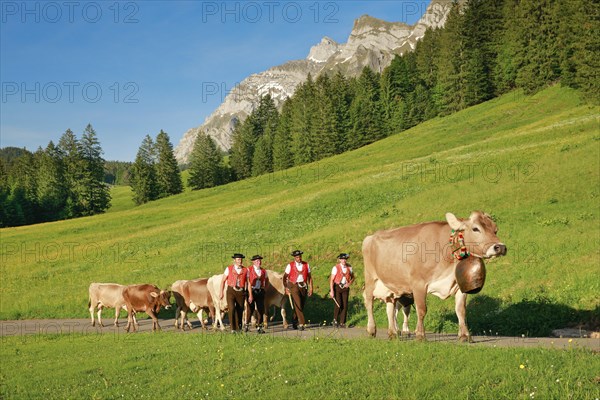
417 260
106 295
147 298
275 296
197 299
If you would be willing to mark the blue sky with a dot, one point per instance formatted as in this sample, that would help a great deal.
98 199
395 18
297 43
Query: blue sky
132 68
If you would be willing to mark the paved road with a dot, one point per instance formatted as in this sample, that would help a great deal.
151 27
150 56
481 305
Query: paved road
71 326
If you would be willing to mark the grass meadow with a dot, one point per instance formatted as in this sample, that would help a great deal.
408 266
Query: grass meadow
219 366
532 162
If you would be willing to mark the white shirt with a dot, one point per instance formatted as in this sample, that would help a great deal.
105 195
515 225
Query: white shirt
299 268
344 269
258 272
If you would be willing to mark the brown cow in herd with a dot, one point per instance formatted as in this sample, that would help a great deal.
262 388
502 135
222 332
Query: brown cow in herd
147 298
275 296
197 299
182 308
417 260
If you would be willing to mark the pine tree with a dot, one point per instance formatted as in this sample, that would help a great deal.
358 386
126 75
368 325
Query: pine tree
282 154
511 52
167 171
247 134
587 49
397 83
51 187
423 103
17 207
365 111
95 194
539 29
206 165
143 173
242 149
341 96
450 88
302 122
262 161
265 114
570 32
326 136
24 203
72 160
427 52
4 194
482 21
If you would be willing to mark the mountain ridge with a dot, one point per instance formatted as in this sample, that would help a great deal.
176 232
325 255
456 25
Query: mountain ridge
373 42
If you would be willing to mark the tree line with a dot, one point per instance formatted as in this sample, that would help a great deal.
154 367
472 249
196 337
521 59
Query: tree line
117 172
486 48
62 181
155 173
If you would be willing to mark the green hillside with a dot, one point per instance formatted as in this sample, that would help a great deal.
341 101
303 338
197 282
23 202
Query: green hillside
531 162
121 199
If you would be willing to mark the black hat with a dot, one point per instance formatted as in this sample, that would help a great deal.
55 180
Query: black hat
344 256
297 253
237 255
256 257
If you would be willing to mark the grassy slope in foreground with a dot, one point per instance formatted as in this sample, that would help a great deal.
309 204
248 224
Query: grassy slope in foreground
533 162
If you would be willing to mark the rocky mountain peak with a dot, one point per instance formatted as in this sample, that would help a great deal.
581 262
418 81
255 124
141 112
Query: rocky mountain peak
321 52
373 42
366 23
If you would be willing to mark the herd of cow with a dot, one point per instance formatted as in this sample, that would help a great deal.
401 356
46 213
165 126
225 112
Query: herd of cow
197 295
401 266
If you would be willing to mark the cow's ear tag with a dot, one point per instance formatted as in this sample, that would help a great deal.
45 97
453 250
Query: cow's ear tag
153 294
453 221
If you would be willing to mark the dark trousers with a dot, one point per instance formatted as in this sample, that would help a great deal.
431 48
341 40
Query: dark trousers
235 304
299 295
258 304
341 296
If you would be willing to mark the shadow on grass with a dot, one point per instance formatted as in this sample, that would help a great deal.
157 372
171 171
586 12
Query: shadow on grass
531 317
535 317
318 310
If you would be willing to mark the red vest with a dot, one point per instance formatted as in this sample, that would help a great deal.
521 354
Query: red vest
293 276
339 275
253 277
233 279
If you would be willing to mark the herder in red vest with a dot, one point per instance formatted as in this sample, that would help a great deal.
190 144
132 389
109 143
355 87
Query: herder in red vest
235 276
339 284
257 282
298 282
